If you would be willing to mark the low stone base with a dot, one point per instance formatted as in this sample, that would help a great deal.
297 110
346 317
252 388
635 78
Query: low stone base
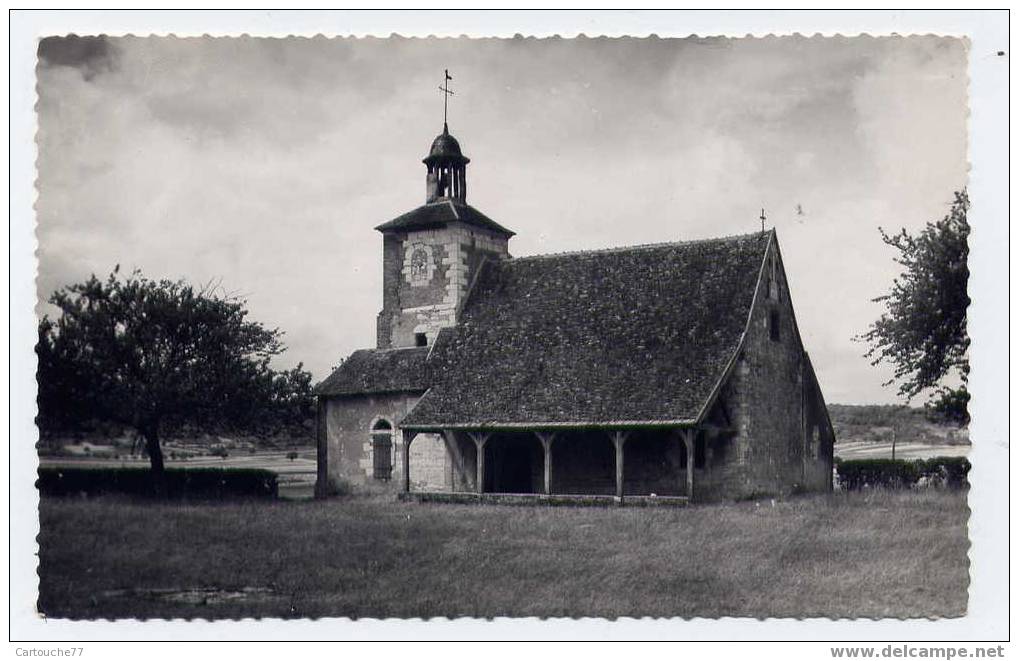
543 499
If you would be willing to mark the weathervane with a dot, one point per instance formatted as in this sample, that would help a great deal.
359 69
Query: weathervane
446 93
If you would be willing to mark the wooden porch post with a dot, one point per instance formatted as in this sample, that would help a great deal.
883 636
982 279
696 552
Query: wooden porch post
480 438
408 436
546 439
688 442
455 459
619 440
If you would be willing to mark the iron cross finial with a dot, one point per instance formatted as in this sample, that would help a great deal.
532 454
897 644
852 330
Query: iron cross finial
446 93
763 218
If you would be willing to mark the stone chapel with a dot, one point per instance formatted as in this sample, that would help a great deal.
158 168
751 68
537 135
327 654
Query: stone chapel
665 372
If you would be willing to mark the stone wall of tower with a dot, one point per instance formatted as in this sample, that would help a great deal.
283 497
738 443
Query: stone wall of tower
426 274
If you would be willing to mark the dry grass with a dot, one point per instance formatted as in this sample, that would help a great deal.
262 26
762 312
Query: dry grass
859 555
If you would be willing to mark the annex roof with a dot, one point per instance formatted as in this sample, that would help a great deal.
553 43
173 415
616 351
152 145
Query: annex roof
637 335
372 371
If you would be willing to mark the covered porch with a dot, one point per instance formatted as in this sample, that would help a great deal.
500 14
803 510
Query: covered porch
640 465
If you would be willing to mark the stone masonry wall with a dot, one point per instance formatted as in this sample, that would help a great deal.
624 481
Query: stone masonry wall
820 441
392 262
348 424
773 404
426 274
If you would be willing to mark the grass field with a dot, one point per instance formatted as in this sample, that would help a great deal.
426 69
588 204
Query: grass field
880 554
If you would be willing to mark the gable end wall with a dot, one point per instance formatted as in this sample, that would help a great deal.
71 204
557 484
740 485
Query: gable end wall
772 404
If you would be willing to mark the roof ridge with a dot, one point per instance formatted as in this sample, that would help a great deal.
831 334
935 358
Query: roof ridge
730 364
443 200
380 350
639 246
440 212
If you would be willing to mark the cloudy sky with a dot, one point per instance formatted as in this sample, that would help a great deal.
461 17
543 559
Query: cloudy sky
265 163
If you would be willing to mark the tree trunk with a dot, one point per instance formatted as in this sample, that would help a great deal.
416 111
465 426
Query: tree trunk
151 434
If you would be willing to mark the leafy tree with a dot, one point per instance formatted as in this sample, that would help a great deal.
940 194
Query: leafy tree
289 404
161 355
923 330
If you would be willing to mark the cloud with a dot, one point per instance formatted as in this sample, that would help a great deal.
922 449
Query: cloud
267 162
89 55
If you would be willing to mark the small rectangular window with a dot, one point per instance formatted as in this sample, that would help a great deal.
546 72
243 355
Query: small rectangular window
420 340
774 329
699 451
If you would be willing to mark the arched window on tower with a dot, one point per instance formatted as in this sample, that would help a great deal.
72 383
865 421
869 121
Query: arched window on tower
382 449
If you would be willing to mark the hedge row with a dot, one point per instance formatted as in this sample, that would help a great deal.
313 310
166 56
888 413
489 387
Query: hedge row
903 474
180 482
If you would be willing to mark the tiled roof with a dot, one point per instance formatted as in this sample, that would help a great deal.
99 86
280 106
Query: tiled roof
369 371
638 334
437 214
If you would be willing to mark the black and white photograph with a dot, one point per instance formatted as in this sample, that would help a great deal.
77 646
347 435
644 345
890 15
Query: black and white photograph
411 327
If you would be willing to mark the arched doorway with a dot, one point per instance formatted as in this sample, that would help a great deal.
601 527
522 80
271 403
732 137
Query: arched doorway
514 463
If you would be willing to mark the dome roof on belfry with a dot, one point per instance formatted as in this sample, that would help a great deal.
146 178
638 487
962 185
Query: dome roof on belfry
445 148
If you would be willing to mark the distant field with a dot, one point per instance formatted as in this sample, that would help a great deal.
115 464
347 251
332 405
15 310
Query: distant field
276 461
903 450
867 432
881 423
880 554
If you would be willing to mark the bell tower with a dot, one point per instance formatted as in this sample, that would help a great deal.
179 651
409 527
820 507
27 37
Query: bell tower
432 254
447 169
447 166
